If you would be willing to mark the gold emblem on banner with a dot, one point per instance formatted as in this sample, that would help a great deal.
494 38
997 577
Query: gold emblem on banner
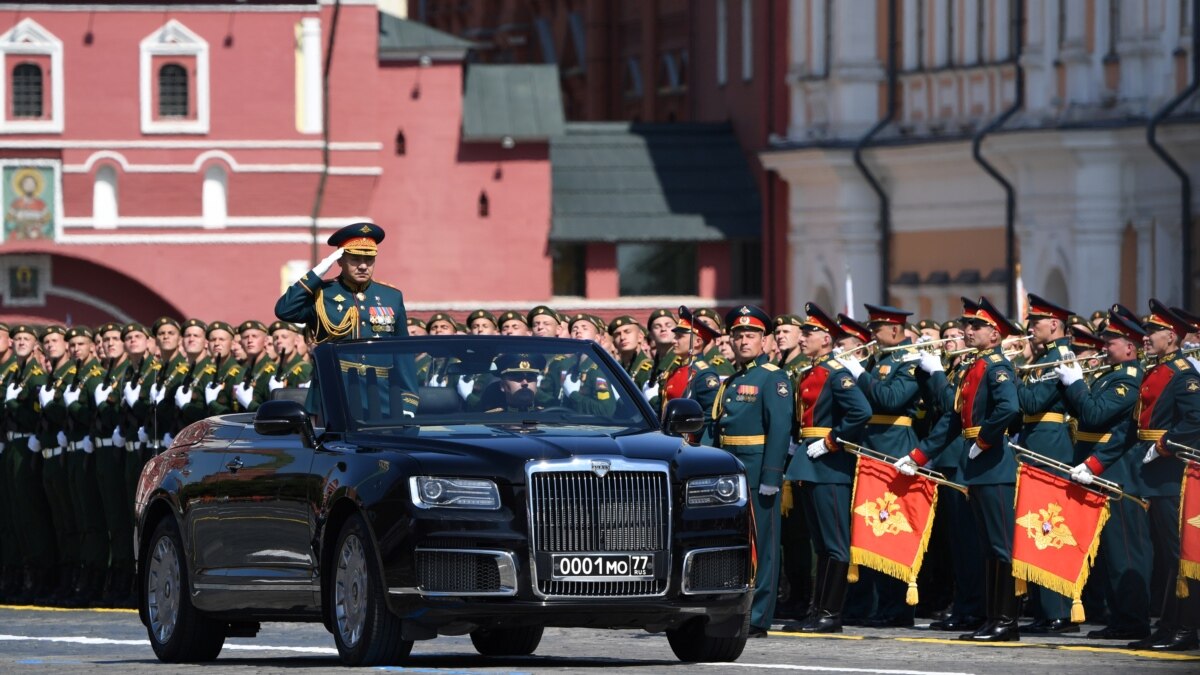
1194 521
1047 528
883 515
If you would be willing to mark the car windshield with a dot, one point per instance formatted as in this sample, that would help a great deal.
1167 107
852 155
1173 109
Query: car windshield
431 381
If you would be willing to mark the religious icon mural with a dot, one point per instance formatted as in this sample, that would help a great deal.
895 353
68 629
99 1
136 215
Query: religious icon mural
30 197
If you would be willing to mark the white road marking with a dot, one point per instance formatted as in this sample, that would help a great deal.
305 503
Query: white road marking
80 640
830 669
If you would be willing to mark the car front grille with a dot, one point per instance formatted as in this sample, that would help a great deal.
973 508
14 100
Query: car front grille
717 570
457 572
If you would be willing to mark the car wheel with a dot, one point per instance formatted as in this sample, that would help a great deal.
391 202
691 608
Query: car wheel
178 631
690 643
506 641
366 631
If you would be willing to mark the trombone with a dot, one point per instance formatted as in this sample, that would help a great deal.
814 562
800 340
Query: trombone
934 476
1102 484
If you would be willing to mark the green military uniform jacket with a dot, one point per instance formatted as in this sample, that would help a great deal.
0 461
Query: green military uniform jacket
1169 409
333 310
295 372
54 413
139 414
10 369
1044 429
720 365
162 417
752 419
200 374
107 413
82 412
1107 435
640 368
255 374
25 411
829 406
595 395
229 373
794 366
892 391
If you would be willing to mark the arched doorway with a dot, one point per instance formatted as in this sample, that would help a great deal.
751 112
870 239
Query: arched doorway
1056 290
41 287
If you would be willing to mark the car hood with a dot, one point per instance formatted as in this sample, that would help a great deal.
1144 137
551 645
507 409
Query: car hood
502 451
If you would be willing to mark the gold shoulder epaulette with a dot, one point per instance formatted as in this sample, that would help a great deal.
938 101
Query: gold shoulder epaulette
73 370
646 365
834 364
298 369
1064 350
700 365
95 371
233 371
1130 370
1181 363
770 366
269 368
718 360
210 369
995 358
35 371
182 369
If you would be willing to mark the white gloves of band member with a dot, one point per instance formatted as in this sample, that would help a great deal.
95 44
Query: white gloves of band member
817 448
323 266
466 387
13 391
852 365
273 384
34 444
930 362
244 394
768 490
45 395
650 389
100 395
1069 373
143 437
61 437
117 439
71 395
211 391
88 446
132 393
1082 474
792 447
183 396
570 386
906 465
975 451
1151 454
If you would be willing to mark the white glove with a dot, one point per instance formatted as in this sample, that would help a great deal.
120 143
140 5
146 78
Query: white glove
157 392
71 395
650 390
852 365
323 266
14 390
34 444
45 395
101 394
817 448
1151 454
906 465
117 439
244 393
975 451
1082 474
930 362
305 385
924 338
183 396
273 384
88 446
466 386
436 381
61 437
167 439
211 391
1069 373
792 448
409 413
132 393
570 386
143 437
768 490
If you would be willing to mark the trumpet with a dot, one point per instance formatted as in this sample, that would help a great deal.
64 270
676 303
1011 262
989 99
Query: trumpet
1095 370
1098 485
1186 451
934 476
1060 362
838 353
936 345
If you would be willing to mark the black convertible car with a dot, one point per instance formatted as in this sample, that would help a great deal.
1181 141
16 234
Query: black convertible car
444 486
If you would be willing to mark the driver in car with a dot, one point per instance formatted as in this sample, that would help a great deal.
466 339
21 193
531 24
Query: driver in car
519 374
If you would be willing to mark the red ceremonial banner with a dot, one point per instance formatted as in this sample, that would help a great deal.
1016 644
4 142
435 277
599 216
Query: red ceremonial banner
1189 522
1057 531
892 520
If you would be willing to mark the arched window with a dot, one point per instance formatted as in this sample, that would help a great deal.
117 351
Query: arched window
215 197
104 198
172 91
27 90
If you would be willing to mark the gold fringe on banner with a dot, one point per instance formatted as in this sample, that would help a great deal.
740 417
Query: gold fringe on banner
1188 569
1181 587
786 503
1024 572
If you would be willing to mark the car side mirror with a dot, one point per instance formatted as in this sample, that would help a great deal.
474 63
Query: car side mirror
682 416
282 416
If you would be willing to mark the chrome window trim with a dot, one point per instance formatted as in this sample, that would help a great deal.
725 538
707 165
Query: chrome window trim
689 558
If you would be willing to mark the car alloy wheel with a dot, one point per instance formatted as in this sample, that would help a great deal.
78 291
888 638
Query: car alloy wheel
163 589
351 590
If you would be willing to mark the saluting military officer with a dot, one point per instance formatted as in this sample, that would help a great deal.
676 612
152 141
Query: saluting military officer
985 404
354 305
752 419
1044 430
627 334
692 378
829 406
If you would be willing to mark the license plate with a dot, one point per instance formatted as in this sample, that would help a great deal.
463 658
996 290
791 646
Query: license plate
603 566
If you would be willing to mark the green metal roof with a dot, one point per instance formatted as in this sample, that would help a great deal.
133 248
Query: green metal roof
401 38
520 102
651 182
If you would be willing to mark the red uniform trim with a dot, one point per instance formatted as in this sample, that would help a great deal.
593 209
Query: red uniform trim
1095 465
919 457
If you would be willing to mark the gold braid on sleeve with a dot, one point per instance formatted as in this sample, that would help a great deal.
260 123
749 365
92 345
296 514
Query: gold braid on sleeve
343 327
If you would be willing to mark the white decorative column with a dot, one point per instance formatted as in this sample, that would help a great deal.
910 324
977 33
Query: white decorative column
1099 225
857 69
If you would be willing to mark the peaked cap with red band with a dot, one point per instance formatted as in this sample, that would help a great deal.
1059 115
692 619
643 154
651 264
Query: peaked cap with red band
885 314
819 320
853 328
969 308
358 238
1082 339
747 316
1162 317
689 324
1187 316
1041 308
1120 326
988 314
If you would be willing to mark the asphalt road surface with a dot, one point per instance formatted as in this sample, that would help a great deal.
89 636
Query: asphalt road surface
39 640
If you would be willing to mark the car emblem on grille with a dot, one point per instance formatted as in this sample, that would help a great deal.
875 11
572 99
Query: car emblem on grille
600 467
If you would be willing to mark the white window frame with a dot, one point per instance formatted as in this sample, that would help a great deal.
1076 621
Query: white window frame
747 41
722 42
173 39
30 38
106 198
214 197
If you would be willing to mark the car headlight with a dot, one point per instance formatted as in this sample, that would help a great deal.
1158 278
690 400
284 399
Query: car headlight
454 493
716 490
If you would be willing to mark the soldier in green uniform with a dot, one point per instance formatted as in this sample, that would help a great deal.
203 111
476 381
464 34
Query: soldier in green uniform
218 394
352 306
519 374
442 324
1106 444
26 500
787 339
168 334
417 327
627 335
258 369
10 551
1044 430
291 370
752 419
712 353
51 441
482 322
136 410
513 323
661 325
110 466
543 321
188 395
582 386
692 378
